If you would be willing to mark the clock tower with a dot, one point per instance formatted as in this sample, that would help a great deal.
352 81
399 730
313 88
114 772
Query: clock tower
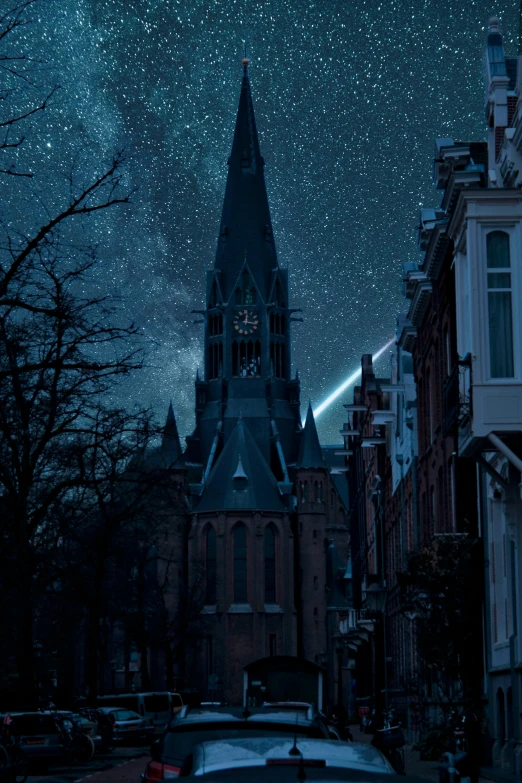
247 320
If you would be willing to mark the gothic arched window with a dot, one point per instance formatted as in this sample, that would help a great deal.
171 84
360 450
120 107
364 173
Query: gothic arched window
210 570
240 564
270 565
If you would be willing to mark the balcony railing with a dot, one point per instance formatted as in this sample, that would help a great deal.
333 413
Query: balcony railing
457 398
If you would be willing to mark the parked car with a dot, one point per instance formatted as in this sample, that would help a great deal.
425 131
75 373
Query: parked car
46 736
193 725
155 707
127 725
247 753
176 702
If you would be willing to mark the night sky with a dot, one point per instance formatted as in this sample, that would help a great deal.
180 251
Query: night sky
349 97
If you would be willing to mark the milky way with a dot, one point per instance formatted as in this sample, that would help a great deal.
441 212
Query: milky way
349 98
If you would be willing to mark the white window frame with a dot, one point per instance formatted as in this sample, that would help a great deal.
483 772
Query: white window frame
512 229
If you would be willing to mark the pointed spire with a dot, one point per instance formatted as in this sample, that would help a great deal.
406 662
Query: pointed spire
170 443
310 454
245 220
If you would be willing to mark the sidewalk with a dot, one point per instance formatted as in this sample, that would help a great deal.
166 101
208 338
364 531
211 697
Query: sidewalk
429 770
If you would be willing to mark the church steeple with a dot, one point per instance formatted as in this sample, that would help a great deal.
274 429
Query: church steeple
310 454
247 318
246 228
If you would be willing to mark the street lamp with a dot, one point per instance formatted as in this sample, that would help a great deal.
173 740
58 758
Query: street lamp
376 596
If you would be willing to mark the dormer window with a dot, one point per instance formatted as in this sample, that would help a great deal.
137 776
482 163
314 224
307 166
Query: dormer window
500 309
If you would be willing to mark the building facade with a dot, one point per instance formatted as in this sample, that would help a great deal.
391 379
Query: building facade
449 454
265 508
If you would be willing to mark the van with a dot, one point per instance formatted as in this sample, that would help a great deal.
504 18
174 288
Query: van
155 707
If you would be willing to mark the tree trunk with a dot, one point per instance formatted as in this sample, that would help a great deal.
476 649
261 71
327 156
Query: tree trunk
25 663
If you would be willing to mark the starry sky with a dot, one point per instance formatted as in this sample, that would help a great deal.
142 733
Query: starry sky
349 97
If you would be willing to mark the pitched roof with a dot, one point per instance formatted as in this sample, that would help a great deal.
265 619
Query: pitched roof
246 227
169 452
310 454
241 478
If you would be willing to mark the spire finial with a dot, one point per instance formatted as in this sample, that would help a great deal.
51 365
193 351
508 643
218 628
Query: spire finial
494 25
245 59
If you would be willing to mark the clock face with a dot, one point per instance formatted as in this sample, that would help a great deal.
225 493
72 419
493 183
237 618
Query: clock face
245 322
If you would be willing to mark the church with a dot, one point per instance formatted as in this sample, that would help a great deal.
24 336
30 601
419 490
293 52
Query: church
267 536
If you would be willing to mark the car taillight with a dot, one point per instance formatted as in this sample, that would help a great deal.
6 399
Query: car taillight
142 723
158 771
116 725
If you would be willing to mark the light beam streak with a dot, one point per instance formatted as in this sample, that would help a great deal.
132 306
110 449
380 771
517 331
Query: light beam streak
349 381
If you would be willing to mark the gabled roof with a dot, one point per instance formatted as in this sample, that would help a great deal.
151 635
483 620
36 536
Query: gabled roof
246 227
241 478
310 454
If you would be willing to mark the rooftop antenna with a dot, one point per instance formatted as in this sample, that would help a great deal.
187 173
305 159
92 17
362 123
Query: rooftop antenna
294 750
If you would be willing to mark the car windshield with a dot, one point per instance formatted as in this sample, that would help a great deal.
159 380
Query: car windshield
125 715
178 743
289 774
157 702
33 724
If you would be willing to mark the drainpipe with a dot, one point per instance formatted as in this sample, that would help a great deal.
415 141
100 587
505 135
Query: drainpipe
212 454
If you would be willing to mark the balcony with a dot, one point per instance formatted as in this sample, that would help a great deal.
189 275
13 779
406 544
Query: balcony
457 399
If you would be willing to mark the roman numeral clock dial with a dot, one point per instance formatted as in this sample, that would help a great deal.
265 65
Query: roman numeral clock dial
245 322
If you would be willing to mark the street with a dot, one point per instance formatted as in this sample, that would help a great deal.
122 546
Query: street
123 764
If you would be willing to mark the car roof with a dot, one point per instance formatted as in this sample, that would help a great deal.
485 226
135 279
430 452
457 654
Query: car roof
236 714
254 752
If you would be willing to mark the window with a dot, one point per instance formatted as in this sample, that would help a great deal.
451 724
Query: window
316 583
240 565
270 565
246 358
499 305
278 359
210 588
215 361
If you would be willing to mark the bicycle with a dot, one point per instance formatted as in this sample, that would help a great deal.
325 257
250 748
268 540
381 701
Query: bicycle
13 761
77 746
390 741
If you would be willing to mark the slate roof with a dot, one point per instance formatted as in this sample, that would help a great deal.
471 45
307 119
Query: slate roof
226 488
246 227
310 454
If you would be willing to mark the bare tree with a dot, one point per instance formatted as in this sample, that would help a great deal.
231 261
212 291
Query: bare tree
62 353
22 98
